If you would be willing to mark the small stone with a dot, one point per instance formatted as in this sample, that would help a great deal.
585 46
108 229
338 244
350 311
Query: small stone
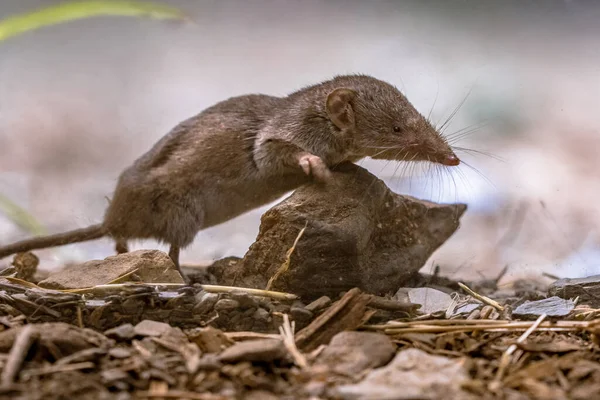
149 265
466 309
151 328
209 362
261 315
350 353
412 374
209 339
119 352
265 350
301 315
205 302
244 300
552 307
226 305
587 289
431 300
319 304
114 374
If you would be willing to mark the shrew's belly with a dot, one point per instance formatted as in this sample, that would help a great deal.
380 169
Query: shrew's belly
222 203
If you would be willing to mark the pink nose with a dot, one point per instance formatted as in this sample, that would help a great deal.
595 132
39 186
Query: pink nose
450 160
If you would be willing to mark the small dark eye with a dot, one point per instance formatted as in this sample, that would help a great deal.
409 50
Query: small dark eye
397 129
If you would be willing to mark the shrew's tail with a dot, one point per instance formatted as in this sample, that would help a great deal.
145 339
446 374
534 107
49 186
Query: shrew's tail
60 239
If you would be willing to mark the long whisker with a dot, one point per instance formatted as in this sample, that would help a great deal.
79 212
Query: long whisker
462 135
437 92
467 130
445 124
480 152
479 173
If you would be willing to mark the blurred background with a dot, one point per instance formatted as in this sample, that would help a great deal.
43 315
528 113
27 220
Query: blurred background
80 101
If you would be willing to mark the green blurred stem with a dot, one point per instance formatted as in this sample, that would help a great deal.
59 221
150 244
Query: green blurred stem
74 10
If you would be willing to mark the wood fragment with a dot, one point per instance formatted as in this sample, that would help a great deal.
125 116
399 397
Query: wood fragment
181 394
59 368
483 299
506 356
17 355
345 314
287 335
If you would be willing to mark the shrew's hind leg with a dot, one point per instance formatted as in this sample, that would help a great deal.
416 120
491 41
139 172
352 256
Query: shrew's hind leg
121 246
174 254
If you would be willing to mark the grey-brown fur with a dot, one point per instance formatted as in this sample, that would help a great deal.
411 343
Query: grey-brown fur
247 151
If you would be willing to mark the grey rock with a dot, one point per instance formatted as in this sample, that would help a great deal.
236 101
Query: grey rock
226 305
412 374
120 352
319 304
552 307
587 289
121 332
301 315
152 328
261 315
205 302
265 350
431 300
244 300
149 265
466 308
359 234
114 374
350 353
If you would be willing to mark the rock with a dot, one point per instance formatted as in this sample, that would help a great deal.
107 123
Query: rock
301 315
209 339
319 304
121 332
205 302
120 352
226 305
358 234
412 374
149 265
261 315
552 307
587 289
431 300
265 350
350 353
25 265
466 309
244 300
152 328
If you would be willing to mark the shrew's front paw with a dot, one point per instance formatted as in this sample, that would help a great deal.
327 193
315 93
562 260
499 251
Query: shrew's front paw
314 166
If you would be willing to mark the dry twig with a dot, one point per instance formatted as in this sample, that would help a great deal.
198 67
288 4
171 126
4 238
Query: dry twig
286 330
506 357
483 299
17 354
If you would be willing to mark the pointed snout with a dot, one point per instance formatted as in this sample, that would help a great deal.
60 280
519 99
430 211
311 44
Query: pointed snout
450 160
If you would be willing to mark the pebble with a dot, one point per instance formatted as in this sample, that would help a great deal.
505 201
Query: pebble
265 350
552 307
319 304
205 302
412 374
151 328
226 305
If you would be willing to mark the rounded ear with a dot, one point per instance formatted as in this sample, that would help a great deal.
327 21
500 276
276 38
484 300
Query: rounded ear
339 108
